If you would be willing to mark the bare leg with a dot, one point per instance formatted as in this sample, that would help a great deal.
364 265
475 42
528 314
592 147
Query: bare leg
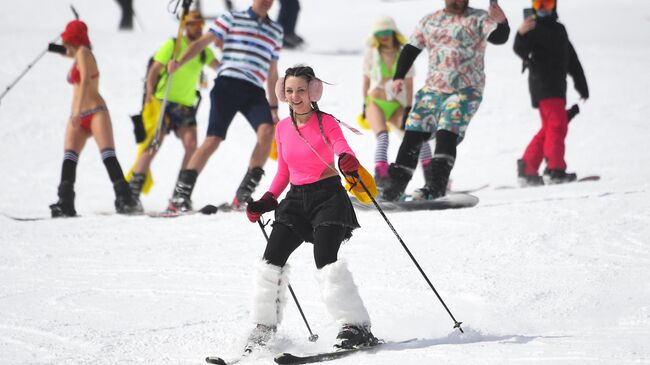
262 148
145 159
200 158
188 138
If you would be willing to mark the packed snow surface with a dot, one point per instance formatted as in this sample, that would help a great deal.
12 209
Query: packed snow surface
549 275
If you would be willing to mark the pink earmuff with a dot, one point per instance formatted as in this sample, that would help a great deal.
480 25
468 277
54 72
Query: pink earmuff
315 90
279 90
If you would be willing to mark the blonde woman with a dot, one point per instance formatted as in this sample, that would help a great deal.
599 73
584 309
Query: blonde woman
381 106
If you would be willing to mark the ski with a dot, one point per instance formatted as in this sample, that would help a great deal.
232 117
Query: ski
220 361
291 359
28 219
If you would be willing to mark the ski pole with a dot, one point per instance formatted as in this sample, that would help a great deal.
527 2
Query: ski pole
312 337
38 58
381 211
29 67
155 142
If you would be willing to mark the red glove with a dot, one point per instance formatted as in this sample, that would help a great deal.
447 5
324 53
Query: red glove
266 204
348 163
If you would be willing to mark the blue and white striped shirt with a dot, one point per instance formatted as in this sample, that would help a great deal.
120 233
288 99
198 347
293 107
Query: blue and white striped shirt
250 44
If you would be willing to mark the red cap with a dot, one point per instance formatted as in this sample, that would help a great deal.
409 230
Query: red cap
76 33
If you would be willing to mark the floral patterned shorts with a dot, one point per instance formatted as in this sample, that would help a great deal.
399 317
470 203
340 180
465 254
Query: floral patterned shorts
434 110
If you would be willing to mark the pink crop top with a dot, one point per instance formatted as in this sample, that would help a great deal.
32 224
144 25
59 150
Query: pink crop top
297 163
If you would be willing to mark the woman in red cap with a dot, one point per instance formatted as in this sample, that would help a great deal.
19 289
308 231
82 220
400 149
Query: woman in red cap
89 117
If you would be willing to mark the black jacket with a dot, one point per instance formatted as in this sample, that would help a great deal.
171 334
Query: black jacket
549 56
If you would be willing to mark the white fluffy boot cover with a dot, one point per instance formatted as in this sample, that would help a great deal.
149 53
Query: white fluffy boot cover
270 294
341 295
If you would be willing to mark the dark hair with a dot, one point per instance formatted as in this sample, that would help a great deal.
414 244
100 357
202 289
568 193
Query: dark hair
308 74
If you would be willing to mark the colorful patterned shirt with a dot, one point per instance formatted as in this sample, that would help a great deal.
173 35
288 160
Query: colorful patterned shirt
250 44
456 47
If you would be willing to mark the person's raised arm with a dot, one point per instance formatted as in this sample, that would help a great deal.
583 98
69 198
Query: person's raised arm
406 59
191 51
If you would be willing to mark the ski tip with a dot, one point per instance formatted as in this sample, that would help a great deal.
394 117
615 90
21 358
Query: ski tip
215 360
284 358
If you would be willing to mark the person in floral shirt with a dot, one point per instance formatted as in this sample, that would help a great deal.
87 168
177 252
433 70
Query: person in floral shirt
455 39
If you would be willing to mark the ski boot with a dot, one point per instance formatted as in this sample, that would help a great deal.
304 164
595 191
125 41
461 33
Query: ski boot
354 336
136 184
125 203
527 180
65 206
558 176
399 179
436 177
247 187
180 201
259 337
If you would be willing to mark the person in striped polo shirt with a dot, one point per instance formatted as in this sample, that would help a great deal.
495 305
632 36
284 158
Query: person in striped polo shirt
251 44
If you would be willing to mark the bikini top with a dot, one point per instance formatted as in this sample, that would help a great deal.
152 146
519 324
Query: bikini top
74 76
385 71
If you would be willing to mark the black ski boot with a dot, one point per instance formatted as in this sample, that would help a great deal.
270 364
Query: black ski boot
353 336
527 180
259 337
181 201
436 177
65 206
247 186
125 203
399 179
136 184
558 176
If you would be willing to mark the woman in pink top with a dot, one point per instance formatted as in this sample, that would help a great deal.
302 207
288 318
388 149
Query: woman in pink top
316 209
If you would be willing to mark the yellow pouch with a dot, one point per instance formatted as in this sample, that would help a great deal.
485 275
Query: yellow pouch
354 187
150 114
363 122
273 154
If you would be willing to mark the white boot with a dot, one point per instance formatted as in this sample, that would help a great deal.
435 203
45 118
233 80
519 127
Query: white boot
342 299
268 302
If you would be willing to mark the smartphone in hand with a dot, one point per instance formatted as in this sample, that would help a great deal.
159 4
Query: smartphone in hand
56 48
528 12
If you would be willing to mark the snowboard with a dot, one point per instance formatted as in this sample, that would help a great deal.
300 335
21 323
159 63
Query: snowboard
581 179
449 201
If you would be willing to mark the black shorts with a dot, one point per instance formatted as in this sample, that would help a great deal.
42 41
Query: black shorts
308 206
229 96
179 116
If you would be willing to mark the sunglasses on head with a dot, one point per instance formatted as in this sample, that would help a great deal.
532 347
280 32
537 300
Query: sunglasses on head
384 33
543 4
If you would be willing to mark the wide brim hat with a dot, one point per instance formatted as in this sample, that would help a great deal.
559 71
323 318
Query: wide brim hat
384 23
76 33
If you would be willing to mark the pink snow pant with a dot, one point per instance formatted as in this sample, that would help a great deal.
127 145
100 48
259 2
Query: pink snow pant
549 141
